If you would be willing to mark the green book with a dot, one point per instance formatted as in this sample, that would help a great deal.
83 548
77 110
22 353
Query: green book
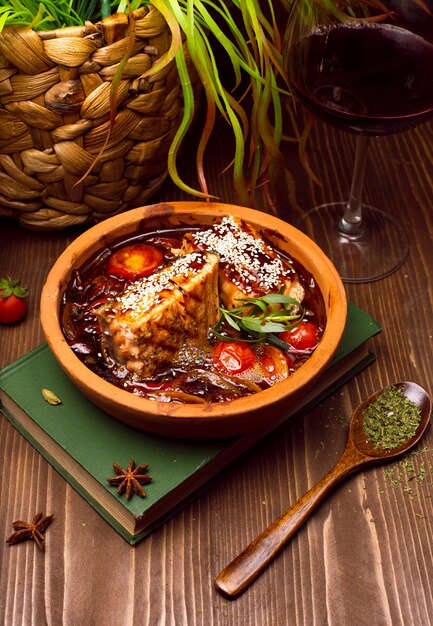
82 442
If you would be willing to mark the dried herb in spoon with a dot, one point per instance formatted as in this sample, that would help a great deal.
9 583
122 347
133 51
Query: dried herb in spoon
391 419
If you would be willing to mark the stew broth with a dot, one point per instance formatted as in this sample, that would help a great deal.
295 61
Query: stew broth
193 376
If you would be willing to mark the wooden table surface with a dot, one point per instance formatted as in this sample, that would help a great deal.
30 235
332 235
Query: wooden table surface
366 555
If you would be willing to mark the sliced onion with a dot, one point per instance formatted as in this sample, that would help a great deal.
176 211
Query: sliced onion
167 395
225 381
68 320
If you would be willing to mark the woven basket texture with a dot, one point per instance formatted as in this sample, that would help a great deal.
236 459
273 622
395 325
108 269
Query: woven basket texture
55 119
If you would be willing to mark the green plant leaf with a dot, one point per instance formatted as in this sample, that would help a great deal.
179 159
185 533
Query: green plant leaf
251 45
260 316
176 38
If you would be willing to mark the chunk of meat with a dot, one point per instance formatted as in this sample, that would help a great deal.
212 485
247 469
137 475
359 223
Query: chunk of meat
249 267
148 323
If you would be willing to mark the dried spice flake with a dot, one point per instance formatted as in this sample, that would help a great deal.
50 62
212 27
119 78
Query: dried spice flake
415 467
391 420
34 531
131 479
50 397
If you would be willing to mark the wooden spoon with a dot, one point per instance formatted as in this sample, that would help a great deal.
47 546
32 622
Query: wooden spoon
247 566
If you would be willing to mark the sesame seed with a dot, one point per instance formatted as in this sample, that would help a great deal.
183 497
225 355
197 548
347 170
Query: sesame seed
250 263
142 294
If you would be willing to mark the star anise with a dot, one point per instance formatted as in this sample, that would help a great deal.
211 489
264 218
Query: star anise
25 530
131 479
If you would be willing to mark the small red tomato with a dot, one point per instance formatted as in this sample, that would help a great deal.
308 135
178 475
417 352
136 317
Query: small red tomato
304 336
233 357
134 262
13 303
273 364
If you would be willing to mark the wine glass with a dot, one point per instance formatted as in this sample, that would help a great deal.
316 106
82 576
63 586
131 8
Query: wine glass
365 67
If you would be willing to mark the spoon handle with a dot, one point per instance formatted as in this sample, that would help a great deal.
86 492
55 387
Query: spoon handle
246 567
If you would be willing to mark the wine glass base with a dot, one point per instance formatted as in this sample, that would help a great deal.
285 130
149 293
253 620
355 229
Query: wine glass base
378 251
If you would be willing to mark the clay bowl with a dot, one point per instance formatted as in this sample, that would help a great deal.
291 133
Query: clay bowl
215 420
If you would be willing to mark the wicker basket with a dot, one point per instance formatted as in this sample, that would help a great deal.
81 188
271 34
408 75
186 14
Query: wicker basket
55 118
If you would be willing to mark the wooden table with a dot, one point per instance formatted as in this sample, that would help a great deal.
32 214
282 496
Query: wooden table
365 557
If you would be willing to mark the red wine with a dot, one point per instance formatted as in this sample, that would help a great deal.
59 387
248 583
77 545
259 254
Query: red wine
366 78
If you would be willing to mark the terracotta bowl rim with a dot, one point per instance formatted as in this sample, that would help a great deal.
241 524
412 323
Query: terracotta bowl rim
94 385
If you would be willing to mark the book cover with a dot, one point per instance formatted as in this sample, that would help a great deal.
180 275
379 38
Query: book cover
82 442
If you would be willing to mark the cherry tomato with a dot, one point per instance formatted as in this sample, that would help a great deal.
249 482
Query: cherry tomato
13 305
233 357
135 261
304 336
273 365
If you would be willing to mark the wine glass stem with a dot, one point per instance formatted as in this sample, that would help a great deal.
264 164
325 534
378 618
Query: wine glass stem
351 224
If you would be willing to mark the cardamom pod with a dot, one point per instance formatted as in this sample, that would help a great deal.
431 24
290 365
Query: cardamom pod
50 397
